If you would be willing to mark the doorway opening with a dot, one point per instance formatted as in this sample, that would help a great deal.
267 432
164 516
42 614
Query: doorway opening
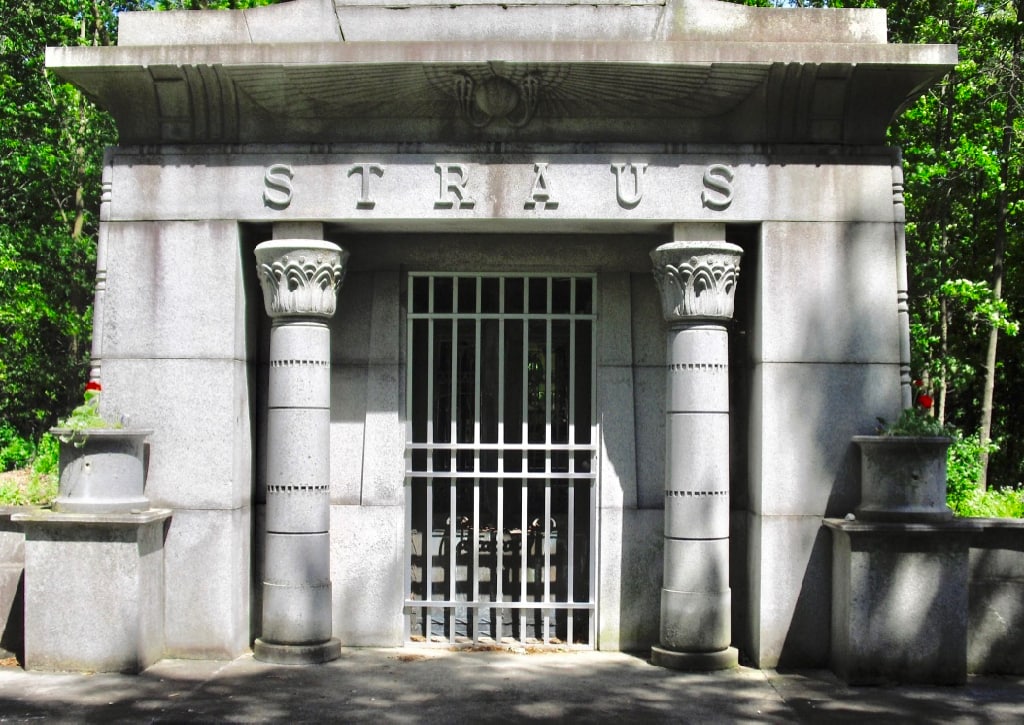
501 459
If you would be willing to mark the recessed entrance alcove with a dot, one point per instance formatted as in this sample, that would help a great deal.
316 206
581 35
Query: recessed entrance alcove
451 404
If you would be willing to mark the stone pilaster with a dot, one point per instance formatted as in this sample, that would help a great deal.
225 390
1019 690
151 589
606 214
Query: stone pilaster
300 280
697 280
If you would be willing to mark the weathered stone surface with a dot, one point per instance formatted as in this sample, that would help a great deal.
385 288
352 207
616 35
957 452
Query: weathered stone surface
200 452
147 314
995 632
94 596
368 569
899 594
207 564
837 304
787 591
629 579
801 457
688 47
192 183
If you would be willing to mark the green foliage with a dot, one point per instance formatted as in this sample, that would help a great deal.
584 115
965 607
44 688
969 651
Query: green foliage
84 418
963 496
35 480
35 490
914 422
994 503
15 451
47 458
51 157
963 464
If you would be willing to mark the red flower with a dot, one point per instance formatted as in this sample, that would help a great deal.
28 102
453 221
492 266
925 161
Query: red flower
919 383
93 385
925 401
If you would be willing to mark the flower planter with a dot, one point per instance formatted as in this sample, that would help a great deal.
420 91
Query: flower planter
903 478
105 474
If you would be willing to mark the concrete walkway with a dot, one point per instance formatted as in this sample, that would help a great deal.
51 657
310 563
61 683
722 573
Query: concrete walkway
430 686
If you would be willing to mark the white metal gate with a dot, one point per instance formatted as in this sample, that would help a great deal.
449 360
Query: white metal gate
501 459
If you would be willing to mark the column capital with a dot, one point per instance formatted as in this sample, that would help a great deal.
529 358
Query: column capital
300 277
697 280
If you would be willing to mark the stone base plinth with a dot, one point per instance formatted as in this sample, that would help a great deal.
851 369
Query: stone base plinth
899 601
94 590
695 661
297 654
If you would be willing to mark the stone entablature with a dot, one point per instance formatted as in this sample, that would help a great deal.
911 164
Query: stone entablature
683 71
637 186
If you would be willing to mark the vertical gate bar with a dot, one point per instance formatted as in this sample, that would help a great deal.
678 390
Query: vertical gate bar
472 614
524 464
501 375
592 566
570 554
428 534
474 532
549 439
407 577
499 567
593 554
547 558
499 533
453 436
428 541
523 555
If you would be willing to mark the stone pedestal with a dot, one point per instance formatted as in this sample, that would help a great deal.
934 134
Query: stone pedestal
899 601
94 590
300 280
697 281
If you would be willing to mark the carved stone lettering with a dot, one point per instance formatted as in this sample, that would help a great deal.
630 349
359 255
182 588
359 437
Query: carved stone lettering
365 171
454 178
540 194
718 191
278 182
631 199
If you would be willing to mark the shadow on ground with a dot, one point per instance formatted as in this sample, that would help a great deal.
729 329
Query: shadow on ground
427 686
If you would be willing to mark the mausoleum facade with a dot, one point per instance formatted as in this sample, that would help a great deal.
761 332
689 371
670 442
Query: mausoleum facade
379 279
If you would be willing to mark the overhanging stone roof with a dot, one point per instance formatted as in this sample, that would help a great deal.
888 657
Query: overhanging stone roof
679 71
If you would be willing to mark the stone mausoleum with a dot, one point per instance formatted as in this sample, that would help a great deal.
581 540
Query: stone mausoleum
378 277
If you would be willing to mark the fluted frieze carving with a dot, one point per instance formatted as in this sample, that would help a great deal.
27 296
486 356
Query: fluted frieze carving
300 277
697 280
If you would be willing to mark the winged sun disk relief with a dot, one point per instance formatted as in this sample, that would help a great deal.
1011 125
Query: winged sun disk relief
497 97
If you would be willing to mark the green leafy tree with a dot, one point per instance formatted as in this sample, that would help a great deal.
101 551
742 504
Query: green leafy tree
51 146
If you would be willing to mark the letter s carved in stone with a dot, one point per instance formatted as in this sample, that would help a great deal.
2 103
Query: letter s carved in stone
718 190
278 182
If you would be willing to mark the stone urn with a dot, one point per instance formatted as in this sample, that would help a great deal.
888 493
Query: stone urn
102 470
903 478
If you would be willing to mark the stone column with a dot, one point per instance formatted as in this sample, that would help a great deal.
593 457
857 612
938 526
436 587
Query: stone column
696 276
300 280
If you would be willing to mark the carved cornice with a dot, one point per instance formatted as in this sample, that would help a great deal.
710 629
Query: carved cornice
300 277
697 280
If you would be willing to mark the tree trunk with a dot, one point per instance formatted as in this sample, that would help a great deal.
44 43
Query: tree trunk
998 262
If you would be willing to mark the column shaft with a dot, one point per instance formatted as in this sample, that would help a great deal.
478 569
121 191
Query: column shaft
300 279
697 281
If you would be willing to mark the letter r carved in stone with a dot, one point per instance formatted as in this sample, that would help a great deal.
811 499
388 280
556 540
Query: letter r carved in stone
454 178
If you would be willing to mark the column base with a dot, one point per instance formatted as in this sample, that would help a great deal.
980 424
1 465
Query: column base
297 654
695 661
